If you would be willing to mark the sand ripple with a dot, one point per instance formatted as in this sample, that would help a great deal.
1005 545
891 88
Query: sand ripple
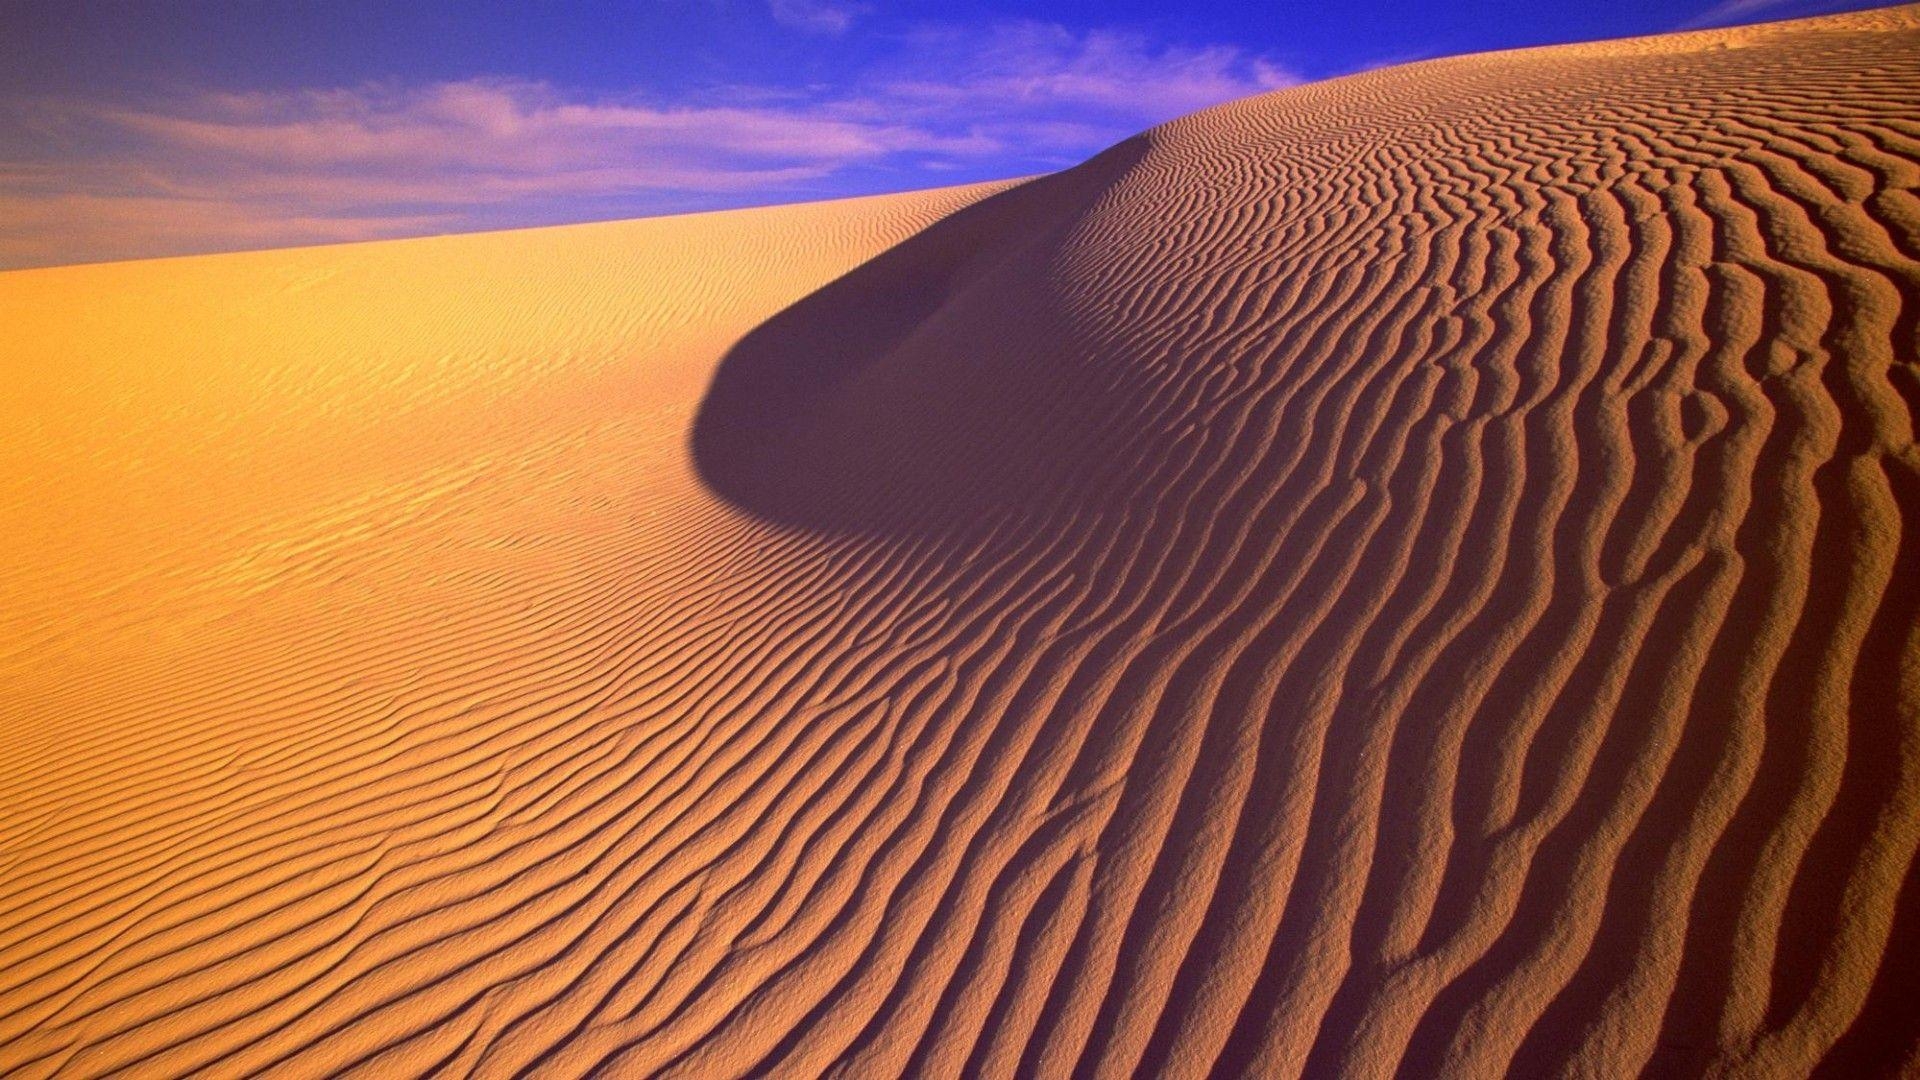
1412 574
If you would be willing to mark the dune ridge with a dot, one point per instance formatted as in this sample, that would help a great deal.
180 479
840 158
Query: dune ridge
1413 574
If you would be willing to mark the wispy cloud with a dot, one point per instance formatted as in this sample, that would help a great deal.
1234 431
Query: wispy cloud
86 180
1736 12
816 16
1021 66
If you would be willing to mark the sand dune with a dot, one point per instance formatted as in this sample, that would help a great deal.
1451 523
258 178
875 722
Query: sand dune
1410 574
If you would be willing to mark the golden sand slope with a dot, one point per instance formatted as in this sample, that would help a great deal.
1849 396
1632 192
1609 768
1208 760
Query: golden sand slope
1411 573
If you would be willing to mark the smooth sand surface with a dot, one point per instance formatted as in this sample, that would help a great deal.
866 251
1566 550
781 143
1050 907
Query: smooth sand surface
1415 573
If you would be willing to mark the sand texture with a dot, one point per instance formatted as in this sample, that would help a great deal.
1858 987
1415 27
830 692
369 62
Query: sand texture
1415 574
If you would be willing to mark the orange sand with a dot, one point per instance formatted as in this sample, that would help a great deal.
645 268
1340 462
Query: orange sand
1412 573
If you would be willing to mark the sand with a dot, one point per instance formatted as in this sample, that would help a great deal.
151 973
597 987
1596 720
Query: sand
1410 574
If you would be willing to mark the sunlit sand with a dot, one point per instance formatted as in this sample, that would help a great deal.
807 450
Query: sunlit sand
1414 572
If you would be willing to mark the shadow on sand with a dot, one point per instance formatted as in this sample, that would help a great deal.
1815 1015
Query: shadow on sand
907 395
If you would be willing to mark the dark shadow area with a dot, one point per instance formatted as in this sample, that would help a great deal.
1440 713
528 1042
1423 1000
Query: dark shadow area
917 389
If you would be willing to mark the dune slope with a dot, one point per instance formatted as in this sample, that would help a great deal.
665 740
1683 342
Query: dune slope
1412 574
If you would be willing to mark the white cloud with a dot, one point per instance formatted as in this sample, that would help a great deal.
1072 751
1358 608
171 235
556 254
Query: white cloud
1734 12
1027 66
815 16
87 180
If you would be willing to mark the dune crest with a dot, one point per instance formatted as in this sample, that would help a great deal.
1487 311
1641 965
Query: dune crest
1410 574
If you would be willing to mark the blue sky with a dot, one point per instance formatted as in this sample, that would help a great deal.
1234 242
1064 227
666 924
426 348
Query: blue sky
130 129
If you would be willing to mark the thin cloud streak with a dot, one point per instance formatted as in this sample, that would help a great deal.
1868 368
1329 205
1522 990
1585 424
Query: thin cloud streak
216 171
1041 65
1736 12
815 16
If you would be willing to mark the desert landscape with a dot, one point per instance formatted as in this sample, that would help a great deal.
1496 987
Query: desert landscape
1410 574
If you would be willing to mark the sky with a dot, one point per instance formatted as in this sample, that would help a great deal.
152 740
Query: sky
141 128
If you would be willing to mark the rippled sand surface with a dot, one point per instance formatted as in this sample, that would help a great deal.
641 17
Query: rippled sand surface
1415 573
